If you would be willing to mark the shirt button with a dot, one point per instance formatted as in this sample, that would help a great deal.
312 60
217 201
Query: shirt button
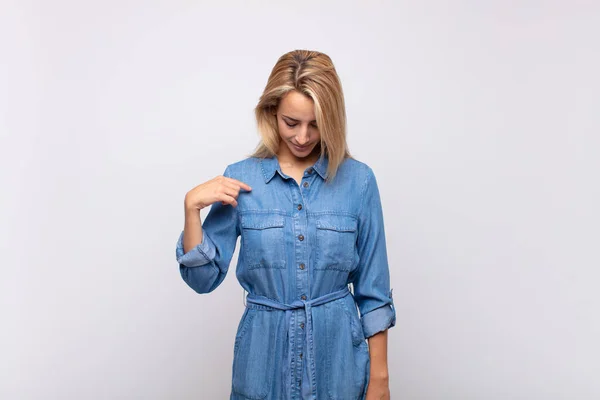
305 184
302 325
301 356
302 266
310 170
303 297
299 206
301 237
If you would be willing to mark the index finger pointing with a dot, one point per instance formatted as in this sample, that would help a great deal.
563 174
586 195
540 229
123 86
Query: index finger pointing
240 184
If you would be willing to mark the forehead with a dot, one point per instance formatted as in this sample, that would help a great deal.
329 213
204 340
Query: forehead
297 105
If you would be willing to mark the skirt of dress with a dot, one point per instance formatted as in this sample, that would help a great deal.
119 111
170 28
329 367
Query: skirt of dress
270 354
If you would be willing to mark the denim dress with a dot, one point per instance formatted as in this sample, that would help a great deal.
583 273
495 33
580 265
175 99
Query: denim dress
314 264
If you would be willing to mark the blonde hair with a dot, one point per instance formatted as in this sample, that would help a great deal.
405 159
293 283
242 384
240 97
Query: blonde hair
313 74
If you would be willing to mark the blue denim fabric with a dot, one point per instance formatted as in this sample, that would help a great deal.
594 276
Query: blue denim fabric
301 335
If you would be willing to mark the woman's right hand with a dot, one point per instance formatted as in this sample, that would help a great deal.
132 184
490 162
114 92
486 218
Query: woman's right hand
220 188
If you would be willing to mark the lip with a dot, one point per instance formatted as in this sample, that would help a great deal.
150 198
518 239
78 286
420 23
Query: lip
301 148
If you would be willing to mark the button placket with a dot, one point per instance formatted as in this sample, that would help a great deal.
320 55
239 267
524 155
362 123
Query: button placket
302 284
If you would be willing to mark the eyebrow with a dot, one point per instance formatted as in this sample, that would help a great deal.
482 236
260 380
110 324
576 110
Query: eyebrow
296 120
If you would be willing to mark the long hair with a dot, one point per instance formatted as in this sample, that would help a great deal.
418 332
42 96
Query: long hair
313 74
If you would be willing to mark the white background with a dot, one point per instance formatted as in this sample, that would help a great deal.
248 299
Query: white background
479 118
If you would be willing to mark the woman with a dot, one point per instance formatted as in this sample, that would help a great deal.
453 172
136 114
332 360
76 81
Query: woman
311 223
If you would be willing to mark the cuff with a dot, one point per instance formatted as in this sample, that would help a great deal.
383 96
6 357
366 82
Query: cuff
200 255
379 319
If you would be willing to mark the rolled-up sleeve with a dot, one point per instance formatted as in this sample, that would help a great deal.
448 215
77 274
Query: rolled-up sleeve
371 281
200 255
205 266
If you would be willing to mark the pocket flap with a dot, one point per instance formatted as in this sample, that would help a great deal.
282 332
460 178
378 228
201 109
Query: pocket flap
341 223
262 221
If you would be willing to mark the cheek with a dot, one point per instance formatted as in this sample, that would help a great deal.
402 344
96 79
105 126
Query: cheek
284 131
315 135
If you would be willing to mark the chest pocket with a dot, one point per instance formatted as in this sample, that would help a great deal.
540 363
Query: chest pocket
263 244
335 239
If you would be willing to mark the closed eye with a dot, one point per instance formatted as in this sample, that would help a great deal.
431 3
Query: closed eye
293 125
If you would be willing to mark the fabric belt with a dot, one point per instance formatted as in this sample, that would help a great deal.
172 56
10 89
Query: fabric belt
263 303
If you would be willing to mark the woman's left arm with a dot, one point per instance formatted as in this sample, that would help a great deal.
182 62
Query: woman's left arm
371 283
379 382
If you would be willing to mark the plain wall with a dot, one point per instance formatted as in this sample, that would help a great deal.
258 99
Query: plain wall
480 120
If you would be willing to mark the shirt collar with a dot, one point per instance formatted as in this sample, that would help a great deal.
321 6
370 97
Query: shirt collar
270 165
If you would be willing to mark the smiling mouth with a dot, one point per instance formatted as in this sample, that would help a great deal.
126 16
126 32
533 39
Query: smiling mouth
300 147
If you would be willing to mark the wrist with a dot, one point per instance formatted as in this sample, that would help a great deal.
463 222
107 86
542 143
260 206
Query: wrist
379 374
191 206
192 213
189 209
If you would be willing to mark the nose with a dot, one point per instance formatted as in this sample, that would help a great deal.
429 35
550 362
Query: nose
302 138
